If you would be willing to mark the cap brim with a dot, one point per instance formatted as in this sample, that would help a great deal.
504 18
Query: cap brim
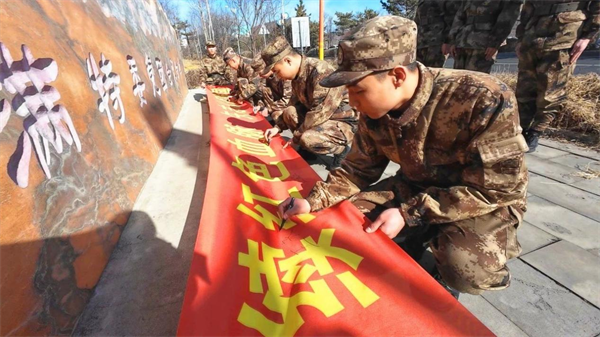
339 78
267 69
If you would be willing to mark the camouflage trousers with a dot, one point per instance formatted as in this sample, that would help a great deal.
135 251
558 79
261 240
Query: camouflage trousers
542 86
470 255
473 59
431 56
331 137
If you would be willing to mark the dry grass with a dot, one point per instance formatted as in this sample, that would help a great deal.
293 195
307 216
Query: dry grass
191 64
193 78
587 172
581 112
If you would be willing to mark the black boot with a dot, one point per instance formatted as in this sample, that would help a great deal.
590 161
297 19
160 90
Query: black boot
306 155
532 137
438 277
337 158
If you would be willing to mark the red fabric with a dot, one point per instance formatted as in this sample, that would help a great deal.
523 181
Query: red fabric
409 301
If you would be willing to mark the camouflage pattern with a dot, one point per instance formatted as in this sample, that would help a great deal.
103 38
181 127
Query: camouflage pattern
473 59
316 104
431 56
214 71
275 51
330 137
381 43
434 20
547 31
276 96
461 157
479 24
248 81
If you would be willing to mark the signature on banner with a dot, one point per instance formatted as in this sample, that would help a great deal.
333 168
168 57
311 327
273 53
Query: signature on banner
296 271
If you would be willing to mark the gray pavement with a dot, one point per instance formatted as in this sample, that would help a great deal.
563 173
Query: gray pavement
555 289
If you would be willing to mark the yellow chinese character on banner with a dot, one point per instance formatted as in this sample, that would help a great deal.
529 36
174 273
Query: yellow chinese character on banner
258 149
321 297
265 217
244 132
233 113
260 171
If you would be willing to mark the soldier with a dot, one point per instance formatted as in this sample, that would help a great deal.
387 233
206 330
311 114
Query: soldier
268 94
213 70
462 180
479 29
551 37
434 20
320 118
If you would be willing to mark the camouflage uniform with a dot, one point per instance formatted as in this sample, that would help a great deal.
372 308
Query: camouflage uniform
320 118
480 24
272 92
215 71
462 176
434 20
547 31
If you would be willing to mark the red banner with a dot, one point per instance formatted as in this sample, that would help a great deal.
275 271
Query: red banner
322 275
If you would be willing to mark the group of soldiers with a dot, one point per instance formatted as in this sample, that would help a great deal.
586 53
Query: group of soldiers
456 134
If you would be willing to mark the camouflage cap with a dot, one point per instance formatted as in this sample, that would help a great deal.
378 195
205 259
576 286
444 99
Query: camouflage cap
274 52
228 54
210 43
381 43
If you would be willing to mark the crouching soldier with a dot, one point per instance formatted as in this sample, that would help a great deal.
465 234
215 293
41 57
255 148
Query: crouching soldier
462 180
320 118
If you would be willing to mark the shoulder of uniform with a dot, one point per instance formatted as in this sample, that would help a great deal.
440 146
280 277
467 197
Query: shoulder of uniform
471 81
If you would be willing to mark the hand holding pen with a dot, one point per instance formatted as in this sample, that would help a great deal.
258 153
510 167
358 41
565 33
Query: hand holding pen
292 206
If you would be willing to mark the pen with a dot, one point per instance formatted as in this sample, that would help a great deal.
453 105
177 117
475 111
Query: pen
287 208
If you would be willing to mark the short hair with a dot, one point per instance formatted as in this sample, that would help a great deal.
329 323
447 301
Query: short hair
381 74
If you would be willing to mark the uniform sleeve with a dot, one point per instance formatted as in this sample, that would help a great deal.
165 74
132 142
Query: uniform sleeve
526 15
591 26
495 175
324 103
505 22
203 72
459 21
363 166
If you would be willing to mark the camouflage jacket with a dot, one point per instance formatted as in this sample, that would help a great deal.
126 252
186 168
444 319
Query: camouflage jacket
557 24
480 24
434 20
459 146
214 65
318 104
281 92
250 70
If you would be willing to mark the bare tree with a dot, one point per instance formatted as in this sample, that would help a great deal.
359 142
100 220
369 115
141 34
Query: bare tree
224 24
252 15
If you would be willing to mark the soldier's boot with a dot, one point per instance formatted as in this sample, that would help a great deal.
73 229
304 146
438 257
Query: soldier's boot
532 137
337 158
438 277
306 155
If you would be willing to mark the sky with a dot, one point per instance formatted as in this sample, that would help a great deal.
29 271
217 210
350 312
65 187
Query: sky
312 7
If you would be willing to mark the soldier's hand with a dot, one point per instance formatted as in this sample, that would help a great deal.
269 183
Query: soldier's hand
490 53
202 85
453 51
390 222
270 133
446 49
301 206
578 49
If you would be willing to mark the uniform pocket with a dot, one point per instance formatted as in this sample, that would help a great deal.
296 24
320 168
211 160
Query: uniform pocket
502 161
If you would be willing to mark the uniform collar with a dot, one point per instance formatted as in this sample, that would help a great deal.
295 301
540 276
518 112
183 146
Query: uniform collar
418 101
302 68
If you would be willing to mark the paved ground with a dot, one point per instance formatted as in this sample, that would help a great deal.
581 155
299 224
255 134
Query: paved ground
555 287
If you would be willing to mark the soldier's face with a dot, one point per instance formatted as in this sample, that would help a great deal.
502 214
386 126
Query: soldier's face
285 69
212 50
234 63
374 95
